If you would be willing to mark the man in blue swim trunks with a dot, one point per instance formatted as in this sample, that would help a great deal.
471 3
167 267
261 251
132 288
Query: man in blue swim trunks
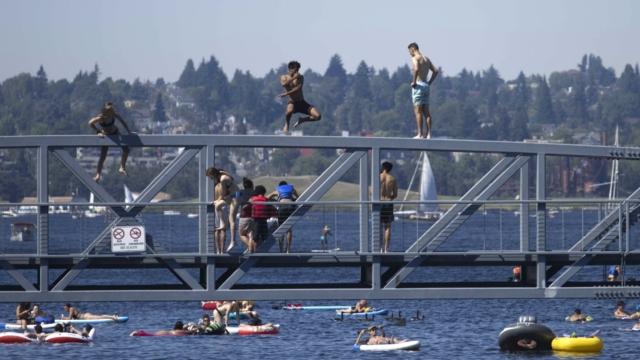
292 83
421 88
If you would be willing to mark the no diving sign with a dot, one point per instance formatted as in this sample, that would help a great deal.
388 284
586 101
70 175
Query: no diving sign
127 239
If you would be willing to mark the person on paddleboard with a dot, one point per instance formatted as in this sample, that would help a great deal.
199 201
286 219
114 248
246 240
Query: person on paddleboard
375 339
361 306
75 314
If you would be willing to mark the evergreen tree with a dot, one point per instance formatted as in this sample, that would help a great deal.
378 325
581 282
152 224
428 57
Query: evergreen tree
544 106
583 65
559 112
1 96
40 83
336 70
461 86
138 91
188 76
159 111
518 131
159 82
521 93
382 90
578 100
361 85
503 124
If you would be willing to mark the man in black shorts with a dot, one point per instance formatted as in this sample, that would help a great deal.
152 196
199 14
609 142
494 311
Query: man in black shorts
292 83
388 192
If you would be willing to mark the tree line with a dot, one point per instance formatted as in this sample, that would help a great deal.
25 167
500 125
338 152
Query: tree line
468 105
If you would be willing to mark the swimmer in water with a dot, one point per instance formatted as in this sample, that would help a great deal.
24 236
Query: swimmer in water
620 313
529 344
578 316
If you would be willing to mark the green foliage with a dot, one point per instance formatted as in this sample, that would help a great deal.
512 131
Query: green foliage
159 111
544 106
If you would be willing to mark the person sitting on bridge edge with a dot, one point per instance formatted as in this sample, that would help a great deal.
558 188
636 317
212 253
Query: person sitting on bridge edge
107 120
284 193
621 314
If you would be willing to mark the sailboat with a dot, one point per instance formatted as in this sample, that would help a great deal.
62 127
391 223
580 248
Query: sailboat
129 198
428 192
93 211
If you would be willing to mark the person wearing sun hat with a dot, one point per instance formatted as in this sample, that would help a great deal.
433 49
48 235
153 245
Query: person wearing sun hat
326 231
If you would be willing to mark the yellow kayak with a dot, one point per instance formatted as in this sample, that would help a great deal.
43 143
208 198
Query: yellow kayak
580 344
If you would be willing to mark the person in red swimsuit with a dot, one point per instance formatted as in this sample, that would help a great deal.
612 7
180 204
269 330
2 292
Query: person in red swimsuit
292 83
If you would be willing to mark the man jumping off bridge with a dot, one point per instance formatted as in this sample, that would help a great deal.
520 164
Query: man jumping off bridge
292 83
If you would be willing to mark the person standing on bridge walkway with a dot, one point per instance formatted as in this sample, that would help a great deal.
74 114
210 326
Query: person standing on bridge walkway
230 195
107 120
388 192
292 83
421 88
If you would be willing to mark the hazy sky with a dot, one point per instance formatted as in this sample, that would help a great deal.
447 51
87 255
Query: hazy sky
151 39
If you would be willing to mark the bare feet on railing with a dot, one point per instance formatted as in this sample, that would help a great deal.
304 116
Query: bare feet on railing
96 178
231 246
124 171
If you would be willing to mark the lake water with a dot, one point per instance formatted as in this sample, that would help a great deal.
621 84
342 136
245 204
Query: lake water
454 329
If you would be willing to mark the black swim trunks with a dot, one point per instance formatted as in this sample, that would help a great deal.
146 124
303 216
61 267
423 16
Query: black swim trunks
302 107
386 213
284 211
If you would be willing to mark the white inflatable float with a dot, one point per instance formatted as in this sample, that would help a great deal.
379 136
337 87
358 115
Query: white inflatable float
254 330
66 338
15 338
407 345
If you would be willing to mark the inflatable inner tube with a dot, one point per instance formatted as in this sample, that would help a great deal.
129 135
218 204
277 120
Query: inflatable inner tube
408 345
255 330
70 338
213 329
587 319
580 344
526 328
209 305
45 327
15 338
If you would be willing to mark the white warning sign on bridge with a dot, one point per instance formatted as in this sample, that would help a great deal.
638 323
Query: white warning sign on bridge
128 239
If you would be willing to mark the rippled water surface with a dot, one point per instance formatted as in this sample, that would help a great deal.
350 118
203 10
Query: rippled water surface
452 329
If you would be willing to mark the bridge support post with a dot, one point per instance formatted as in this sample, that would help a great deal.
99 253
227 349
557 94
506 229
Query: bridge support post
541 220
364 208
375 196
524 208
43 217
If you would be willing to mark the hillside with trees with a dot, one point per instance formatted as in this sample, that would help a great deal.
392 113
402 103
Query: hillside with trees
588 99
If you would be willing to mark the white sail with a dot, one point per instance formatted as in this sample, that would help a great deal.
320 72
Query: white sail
91 198
128 196
428 189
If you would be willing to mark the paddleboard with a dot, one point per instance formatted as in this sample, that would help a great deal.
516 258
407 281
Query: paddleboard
329 307
368 313
30 326
121 319
408 345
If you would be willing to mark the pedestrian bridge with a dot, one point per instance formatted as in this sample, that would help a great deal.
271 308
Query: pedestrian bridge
469 252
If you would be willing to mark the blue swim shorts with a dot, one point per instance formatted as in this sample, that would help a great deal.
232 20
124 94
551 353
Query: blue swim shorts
420 93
